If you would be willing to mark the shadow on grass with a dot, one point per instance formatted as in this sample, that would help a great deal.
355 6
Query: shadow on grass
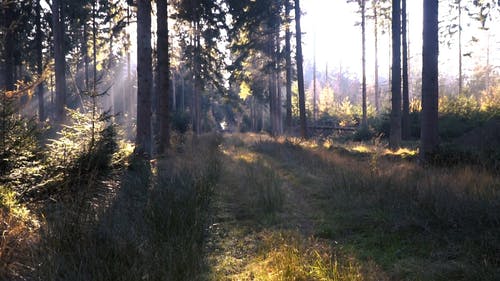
150 227
425 224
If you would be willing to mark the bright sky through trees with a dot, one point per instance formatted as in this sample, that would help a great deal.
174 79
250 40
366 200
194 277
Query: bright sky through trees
338 35
335 25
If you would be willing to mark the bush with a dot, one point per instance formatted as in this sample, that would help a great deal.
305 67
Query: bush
363 133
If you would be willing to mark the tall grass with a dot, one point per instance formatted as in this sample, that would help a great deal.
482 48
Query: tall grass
289 256
403 216
151 227
254 188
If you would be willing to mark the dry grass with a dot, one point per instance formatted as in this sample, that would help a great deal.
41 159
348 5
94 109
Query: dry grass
18 229
287 255
151 228
396 212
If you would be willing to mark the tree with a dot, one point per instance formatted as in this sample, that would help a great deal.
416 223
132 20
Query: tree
144 78
203 21
429 139
405 120
375 31
39 59
300 72
288 66
362 10
60 60
364 121
460 62
163 74
9 44
395 135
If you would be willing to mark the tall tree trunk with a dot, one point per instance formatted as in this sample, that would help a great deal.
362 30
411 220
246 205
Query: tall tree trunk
315 95
300 72
377 87
405 120
183 93
86 59
288 66
279 111
272 101
395 134
93 95
39 60
364 121
128 94
197 81
9 40
163 75
429 138
173 107
277 103
60 61
144 78
460 71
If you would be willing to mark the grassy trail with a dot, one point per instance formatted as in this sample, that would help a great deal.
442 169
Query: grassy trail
267 214
286 210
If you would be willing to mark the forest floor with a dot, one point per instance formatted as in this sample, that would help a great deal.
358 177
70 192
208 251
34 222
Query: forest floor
291 210
252 207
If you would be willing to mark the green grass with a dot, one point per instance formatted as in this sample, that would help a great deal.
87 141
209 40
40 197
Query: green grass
401 216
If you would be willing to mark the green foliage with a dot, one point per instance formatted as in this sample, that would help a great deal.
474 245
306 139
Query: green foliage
20 155
82 152
19 170
458 105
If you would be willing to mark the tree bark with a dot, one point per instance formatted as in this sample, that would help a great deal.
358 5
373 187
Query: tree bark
288 62
405 120
39 60
279 121
144 78
460 70
315 95
60 60
93 95
300 72
429 138
395 134
197 81
377 87
364 121
9 38
272 101
86 59
163 75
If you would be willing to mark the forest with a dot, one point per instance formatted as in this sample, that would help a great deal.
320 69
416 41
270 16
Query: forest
249 140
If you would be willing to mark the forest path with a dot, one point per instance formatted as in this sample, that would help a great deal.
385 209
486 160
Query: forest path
268 216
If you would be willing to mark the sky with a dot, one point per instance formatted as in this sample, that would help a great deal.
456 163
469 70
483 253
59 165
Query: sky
332 25
331 32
